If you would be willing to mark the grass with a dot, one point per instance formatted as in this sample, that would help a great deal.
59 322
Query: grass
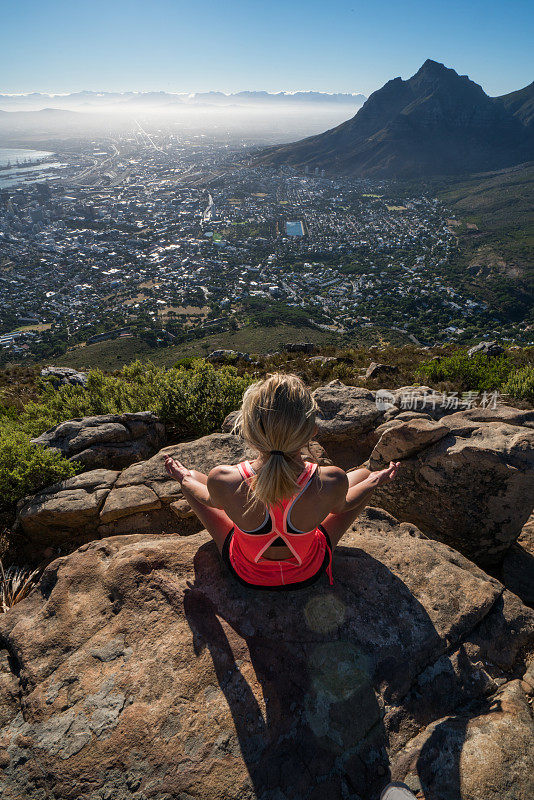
114 354
15 584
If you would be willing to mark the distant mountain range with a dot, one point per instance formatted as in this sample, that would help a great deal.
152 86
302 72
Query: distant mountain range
435 123
116 101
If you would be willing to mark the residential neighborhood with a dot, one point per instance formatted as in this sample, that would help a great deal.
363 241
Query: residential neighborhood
170 236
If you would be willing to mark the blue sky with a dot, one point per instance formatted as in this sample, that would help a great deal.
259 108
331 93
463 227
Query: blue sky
117 45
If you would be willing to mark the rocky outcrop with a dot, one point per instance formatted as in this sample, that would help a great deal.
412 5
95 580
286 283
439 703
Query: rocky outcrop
141 497
375 370
228 356
348 416
106 502
110 441
138 669
64 376
467 483
466 476
485 348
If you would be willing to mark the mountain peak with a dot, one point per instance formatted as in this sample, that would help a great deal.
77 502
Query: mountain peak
435 123
432 66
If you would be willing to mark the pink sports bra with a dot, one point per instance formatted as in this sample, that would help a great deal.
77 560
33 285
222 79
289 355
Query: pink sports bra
307 548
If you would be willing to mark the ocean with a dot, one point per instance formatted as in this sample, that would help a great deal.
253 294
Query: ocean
20 173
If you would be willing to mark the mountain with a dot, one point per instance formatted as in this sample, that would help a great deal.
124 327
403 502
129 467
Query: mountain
87 100
520 103
435 123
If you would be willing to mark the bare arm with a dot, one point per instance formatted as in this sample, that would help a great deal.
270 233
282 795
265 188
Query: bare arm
361 491
200 491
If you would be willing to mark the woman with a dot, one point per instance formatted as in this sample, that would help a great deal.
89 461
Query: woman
277 519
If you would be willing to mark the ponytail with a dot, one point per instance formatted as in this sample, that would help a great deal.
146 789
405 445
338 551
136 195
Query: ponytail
277 419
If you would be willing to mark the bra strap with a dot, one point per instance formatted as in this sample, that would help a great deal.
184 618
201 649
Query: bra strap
245 471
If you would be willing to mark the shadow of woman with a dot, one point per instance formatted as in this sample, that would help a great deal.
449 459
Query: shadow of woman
301 693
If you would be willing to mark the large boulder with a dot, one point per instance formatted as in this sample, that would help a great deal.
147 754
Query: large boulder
467 483
142 497
139 669
486 348
348 416
225 356
64 376
110 441
376 370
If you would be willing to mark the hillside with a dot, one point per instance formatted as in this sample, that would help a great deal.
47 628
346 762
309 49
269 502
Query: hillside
435 123
496 236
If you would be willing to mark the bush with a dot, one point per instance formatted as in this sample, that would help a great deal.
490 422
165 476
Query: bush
520 384
481 372
191 399
26 468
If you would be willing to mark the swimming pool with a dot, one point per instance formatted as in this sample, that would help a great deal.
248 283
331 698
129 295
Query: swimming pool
295 228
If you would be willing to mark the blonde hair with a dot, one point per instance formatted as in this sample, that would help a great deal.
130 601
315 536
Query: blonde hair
277 413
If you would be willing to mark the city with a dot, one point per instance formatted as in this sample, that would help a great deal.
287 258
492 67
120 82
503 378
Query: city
169 236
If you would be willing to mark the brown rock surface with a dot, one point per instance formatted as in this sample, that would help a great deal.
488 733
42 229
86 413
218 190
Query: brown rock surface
473 488
348 416
376 370
139 669
490 755
106 502
110 441
517 572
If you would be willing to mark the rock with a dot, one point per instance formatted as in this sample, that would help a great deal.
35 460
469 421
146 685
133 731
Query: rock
517 572
182 509
64 376
323 360
502 413
138 668
299 347
403 438
229 422
217 356
108 441
126 500
348 416
65 512
469 484
375 370
488 756
142 497
104 502
486 348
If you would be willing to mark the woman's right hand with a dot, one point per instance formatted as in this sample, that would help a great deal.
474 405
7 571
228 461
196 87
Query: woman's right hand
384 475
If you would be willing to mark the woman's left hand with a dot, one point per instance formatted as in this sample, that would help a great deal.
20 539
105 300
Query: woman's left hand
176 469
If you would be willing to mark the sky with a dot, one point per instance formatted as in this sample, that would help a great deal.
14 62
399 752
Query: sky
229 46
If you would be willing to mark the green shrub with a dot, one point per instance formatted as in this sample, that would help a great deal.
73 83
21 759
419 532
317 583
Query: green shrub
191 399
520 384
480 372
26 468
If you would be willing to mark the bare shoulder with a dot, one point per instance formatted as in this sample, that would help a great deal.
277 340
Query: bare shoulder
334 481
333 476
224 475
